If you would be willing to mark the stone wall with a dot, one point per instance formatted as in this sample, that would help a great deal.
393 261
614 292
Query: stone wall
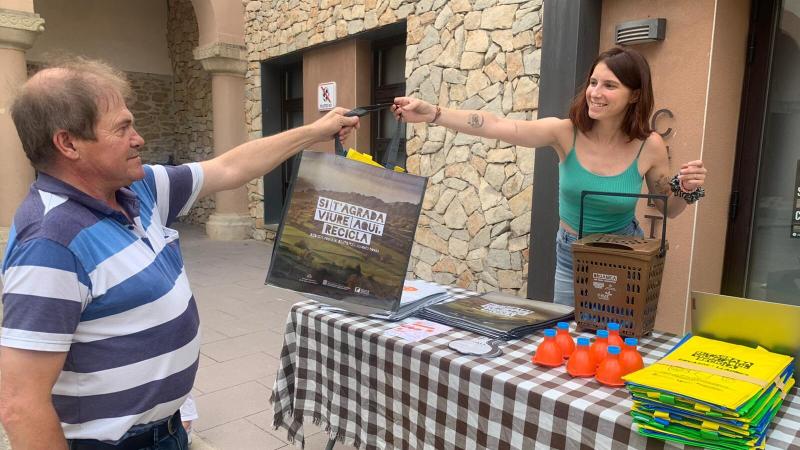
192 97
153 108
474 230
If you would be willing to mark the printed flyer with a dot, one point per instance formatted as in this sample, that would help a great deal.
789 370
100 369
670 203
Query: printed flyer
347 231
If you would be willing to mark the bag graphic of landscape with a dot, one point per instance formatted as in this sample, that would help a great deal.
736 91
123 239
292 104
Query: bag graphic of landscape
346 235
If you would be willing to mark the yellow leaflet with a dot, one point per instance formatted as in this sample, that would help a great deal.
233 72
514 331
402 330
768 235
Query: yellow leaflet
362 157
713 371
366 158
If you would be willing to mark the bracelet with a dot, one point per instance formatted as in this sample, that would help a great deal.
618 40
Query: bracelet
690 197
438 113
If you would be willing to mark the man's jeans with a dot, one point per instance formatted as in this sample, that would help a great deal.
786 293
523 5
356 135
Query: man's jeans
176 440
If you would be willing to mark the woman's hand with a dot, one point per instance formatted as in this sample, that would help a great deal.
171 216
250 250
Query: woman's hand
413 110
692 175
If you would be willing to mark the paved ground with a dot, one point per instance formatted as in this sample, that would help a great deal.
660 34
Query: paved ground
242 325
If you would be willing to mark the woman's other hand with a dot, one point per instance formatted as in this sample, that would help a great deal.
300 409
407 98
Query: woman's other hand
413 110
692 175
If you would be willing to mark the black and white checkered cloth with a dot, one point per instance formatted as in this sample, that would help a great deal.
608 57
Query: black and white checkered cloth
375 391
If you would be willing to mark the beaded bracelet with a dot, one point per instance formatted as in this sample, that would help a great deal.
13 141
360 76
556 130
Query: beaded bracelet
689 197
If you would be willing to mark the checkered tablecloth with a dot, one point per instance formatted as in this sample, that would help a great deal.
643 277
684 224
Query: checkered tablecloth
374 391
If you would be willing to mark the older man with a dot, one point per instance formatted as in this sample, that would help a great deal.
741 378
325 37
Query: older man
100 340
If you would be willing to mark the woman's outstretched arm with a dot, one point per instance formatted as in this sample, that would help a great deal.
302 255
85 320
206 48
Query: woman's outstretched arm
527 133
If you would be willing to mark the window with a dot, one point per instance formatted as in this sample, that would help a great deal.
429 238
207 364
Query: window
389 65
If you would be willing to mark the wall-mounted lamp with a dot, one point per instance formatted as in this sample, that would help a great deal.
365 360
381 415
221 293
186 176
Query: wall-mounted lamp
640 31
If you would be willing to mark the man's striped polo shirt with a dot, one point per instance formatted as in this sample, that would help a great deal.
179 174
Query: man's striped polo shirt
79 277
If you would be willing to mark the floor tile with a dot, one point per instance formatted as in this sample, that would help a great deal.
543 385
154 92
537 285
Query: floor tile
228 405
237 371
241 435
227 349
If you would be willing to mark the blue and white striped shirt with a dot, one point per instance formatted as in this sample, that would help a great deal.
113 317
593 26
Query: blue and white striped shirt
79 277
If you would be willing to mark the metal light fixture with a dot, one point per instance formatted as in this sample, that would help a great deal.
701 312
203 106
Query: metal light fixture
640 31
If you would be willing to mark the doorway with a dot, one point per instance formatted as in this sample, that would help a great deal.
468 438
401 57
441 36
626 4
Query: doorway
763 243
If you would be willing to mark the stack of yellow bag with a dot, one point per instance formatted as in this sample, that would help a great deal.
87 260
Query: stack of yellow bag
711 394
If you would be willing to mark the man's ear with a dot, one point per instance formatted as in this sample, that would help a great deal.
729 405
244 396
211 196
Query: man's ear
65 144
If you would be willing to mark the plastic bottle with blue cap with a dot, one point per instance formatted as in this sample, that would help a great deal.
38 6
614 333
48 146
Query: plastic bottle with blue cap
599 347
564 340
548 353
630 358
610 370
613 335
581 363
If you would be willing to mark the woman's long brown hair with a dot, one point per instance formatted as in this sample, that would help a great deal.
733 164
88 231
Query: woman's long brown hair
633 71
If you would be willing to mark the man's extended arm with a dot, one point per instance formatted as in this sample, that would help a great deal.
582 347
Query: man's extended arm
26 406
257 157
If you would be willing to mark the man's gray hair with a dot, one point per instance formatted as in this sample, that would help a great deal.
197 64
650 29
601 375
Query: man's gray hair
64 96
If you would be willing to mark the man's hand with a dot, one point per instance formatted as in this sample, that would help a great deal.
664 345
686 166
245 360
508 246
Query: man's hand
253 159
333 123
413 110
26 405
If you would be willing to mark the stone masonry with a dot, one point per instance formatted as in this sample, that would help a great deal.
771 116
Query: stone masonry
152 106
474 230
192 98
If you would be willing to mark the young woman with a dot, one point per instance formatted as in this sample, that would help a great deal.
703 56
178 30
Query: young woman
605 145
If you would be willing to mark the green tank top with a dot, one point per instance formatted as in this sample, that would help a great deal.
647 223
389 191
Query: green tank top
601 214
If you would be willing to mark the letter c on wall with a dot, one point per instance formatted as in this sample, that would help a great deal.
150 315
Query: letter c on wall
654 119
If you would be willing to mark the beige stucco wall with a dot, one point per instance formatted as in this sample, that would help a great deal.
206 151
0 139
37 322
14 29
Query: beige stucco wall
18 5
129 35
697 74
726 75
352 85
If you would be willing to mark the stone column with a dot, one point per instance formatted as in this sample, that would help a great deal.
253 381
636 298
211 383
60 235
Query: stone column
18 30
227 64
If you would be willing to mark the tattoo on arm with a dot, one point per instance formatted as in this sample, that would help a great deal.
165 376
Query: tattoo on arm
661 186
475 120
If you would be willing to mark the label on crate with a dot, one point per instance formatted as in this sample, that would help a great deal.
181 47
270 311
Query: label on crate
605 285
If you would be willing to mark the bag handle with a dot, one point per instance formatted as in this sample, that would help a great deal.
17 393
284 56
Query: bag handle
623 194
390 158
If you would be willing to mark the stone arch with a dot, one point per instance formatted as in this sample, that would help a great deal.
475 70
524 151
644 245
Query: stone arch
222 52
219 21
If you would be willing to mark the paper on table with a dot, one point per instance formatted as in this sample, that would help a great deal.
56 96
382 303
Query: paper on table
417 330
414 290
